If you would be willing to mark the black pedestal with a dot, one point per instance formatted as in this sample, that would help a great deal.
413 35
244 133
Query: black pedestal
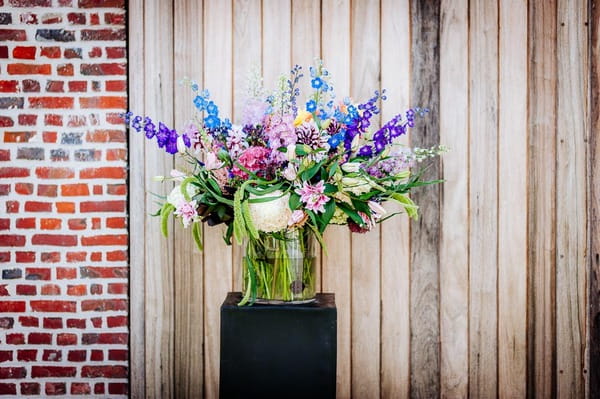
278 351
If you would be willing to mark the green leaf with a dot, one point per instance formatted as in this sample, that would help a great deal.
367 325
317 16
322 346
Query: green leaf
294 201
166 210
361 206
248 220
334 168
330 189
319 237
309 173
197 234
350 212
327 215
302 149
409 206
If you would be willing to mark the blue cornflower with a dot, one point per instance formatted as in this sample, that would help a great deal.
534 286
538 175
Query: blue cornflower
311 106
212 109
316 83
212 122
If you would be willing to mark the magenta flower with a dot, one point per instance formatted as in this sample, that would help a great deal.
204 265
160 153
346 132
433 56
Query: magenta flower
313 197
187 211
253 159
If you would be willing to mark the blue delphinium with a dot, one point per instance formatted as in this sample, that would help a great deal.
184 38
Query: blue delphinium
311 106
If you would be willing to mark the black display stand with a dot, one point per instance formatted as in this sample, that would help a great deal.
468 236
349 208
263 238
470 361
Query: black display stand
278 351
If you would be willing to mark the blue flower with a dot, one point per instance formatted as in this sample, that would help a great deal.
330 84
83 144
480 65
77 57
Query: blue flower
149 128
136 124
212 109
212 122
335 140
226 124
365 151
311 106
316 83
200 103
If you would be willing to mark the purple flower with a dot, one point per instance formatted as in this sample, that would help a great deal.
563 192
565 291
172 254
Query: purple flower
366 151
149 128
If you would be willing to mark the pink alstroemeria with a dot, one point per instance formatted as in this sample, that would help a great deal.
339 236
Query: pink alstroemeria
187 211
313 197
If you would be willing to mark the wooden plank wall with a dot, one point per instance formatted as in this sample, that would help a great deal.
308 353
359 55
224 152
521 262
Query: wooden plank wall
494 291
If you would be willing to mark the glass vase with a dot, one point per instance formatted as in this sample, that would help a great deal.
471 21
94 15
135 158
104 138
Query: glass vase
279 268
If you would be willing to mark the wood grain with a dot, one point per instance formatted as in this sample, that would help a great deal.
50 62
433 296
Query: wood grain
571 209
512 189
336 266
594 201
395 233
454 212
276 39
425 233
159 256
366 285
483 199
137 214
218 28
541 243
188 266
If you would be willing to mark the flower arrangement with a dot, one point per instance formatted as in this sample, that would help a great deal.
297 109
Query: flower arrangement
285 173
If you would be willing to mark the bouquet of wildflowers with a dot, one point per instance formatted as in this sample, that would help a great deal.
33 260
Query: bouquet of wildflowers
286 172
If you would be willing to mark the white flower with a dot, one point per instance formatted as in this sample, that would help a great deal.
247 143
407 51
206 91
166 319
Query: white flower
351 167
175 197
212 162
377 211
291 152
356 185
181 148
271 215
290 172
177 175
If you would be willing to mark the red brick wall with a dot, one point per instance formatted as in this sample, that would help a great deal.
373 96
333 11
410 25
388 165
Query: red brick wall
63 233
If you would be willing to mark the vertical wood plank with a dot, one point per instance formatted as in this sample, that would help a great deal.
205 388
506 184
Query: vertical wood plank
395 233
188 267
571 209
541 204
366 284
246 56
137 214
158 70
277 39
425 233
594 201
335 39
483 198
454 213
512 191
217 256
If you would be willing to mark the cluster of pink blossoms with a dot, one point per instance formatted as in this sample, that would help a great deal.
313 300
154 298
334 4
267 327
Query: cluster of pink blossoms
313 196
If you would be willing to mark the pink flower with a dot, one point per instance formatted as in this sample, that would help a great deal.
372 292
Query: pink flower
280 130
253 159
187 211
313 197
297 218
254 112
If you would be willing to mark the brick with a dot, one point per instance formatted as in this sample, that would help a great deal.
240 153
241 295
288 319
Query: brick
29 321
104 371
4 189
12 306
57 35
99 388
118 355
96 256
38 273
52 322
116 223
103 34
50 52
104 102
47 190
28 18
65 70
116 321
65 207
29 69
24 188
50 257
3 52
52 355
95 52
17 102
51 102
18 137
107 172
61 240
12 207
14 172
72 53
66 273
56 388
30 388
27 355
59 155
17 35
32 154
3 290
26 289
6 356
50 289
38 206
71 138
104 239
101 305
88 155
24 52
53 173
65 339
50 137
77 224
37 338
6 121
25 257
97 355
111 18
73 190
6 323
27 120
76 323
12 372
77 356
4 224
52 18
8 388
103 69
31 86
78 86
102 206
114 118
116 85
81 388
116 189
15 339
5 18
50 224
76 18
77 290
77 120
53 306
104 338
53 120
96 289
97 189
30 3
76 256
11 274
12 240
55 86
9 86
101 3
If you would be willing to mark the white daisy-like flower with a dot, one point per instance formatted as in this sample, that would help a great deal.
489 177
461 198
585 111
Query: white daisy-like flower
270 216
